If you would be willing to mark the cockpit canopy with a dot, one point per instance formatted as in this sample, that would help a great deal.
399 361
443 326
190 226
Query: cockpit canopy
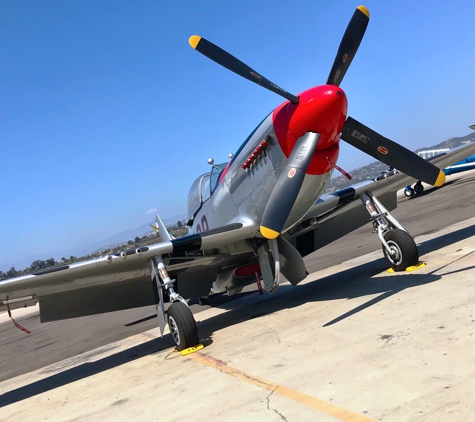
202 188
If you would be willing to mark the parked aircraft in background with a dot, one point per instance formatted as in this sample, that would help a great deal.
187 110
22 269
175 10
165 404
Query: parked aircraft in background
254 217
462 165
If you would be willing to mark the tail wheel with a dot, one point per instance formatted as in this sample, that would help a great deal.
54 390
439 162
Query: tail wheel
182 326
404 252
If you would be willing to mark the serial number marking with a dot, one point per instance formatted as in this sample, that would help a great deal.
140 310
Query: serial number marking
360 136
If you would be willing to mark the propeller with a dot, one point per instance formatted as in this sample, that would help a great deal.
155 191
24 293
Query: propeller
391 153
291 177
288 185
349 45
235 65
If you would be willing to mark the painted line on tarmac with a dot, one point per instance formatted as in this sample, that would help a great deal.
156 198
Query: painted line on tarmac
310 401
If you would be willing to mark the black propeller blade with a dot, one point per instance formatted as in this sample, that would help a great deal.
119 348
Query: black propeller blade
288 185
349 45
235 65
391 153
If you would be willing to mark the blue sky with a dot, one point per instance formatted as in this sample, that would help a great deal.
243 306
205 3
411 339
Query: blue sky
107 113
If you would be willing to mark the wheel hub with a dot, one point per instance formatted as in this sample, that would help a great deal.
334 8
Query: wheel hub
395 252
174 330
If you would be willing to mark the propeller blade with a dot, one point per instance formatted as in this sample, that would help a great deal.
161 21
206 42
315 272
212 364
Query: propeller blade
349 45
391 153
288 185
235 65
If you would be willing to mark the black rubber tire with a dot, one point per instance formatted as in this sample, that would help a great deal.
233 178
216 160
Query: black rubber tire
182 326
409 193
418 188
404 245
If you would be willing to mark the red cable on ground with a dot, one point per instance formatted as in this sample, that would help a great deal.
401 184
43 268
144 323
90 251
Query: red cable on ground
16 323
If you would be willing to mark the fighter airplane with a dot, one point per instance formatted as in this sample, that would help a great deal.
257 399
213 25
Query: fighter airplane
252 218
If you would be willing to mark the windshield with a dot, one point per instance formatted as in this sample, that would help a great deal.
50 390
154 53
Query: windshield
215 173
199 192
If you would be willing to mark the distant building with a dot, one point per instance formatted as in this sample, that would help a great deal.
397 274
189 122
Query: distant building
427 153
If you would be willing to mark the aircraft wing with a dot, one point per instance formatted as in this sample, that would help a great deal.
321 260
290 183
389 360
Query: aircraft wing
335 214
120 280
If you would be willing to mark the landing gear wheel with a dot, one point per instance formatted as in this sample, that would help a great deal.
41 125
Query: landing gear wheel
404 250
182 326
408 192
418 188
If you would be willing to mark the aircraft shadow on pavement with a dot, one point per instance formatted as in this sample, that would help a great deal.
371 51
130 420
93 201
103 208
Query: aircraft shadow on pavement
348 284
446 240
85 370
351 283
460 181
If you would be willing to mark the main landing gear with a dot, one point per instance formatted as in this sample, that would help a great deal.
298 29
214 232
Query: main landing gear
182 326
417 189
180 320
399 247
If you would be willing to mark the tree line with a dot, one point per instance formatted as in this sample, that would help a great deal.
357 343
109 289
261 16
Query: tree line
40 264
37 265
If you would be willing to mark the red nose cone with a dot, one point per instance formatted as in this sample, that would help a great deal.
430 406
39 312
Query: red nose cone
321 110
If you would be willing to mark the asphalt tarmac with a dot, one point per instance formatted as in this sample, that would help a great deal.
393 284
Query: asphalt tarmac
52 343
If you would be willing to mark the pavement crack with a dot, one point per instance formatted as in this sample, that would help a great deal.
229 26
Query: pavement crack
275 410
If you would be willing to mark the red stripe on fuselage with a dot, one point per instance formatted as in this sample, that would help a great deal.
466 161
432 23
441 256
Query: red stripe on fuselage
321 110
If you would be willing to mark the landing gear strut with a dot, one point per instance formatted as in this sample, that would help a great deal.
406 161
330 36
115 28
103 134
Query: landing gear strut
399 247
180 320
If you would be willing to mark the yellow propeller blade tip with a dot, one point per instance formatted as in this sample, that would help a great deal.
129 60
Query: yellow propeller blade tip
440 179
154 227
364 10
269 233
194 40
